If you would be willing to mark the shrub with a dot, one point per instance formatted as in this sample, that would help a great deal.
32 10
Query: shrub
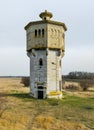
25 81
85 84
72 87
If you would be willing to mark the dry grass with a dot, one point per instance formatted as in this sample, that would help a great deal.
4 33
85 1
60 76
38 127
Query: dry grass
21 112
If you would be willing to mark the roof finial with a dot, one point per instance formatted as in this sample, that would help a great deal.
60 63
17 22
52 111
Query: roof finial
46 15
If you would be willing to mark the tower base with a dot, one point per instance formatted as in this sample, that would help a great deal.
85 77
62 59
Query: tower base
55 94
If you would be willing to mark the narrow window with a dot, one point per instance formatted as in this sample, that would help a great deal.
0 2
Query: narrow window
60 62
39 32
52 32
58 33
42 32
63 35
44 18
35 33
55 32
40 62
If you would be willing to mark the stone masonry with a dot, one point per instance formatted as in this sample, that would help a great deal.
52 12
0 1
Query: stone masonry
45 48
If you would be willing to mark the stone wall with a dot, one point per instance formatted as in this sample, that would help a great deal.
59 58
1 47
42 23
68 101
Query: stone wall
53 37
38 74
49 74
36 41
53 71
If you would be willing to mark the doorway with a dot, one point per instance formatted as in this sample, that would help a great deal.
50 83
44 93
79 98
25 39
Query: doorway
40 92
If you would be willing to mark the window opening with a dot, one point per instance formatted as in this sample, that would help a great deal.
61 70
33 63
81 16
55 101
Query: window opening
40 62
39 32
58 33
35 33
63 35
55 32
44 18
52 32
42 32
60 62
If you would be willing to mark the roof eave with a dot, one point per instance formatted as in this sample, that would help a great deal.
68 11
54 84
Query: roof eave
46 21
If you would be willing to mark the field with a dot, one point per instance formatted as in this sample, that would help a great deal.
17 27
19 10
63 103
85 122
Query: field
18 111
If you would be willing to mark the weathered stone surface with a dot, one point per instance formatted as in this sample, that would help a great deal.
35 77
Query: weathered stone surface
45 47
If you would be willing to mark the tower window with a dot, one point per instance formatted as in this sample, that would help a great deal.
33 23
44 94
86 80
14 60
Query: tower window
60 62
42 32
58 33
52 32
44 18
55 32
63 35
35 33
40 62
39 32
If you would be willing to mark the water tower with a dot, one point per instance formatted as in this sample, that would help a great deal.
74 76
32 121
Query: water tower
45 48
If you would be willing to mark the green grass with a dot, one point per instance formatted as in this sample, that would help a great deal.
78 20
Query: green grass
71 109
21 112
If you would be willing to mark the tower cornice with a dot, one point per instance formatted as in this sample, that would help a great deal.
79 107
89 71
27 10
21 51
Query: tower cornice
46 21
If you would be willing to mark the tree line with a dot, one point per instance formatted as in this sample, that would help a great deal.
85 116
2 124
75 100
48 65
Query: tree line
80 75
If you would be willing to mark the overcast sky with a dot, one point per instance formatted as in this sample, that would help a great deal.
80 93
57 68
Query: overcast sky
78 15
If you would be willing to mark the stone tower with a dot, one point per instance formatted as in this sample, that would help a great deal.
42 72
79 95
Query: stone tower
45 48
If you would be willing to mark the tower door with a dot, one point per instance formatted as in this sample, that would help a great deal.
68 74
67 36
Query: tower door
40 92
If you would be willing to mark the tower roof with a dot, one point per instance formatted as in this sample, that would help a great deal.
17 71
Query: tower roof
46 15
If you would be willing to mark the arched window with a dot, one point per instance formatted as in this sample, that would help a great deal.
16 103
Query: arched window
55 32
39 32
35 33
40 62
42 32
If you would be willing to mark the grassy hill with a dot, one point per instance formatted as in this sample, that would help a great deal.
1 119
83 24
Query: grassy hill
18 111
